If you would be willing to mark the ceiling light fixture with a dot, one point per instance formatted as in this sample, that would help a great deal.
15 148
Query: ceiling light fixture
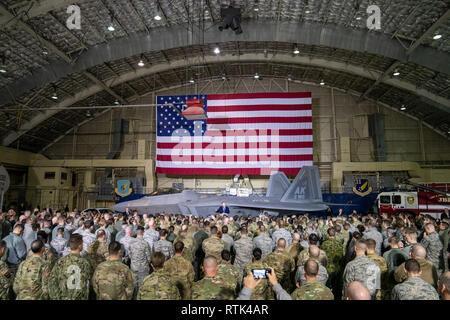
403 108
358 18
111 27
396 73
256 76
88 114
141 63
289 78
437 36
158 17
116 102
296 51
54 95
216 50
322 83
192 80
2 70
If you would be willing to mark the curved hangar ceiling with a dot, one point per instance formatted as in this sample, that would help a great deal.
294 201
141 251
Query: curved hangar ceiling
405 65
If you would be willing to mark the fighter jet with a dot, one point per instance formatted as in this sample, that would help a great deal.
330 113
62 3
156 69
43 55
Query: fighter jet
303 195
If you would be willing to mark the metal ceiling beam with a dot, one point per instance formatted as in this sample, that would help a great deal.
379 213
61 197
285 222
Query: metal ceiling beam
50 46
161 39
223 59
429 31
411 49
4 12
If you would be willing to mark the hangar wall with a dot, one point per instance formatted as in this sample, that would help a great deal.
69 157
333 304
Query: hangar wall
341 134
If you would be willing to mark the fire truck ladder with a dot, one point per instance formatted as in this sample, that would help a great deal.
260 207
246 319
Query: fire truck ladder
419 186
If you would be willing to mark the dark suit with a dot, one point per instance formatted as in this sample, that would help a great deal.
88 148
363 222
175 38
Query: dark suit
223 210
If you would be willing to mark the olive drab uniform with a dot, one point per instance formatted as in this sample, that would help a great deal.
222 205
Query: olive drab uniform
112 280
70 278
31 281
182 273
312 290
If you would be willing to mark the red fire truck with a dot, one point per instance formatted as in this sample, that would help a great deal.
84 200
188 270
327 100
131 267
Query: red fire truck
433 200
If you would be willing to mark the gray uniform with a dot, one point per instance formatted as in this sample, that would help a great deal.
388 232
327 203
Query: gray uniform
126 242
29 239
229 242
165 247
372 233
322 277
55 232
151 236
59 243
88 238
263 242
17 250
281 233
140 255
414 288
244 252
107 233
434 247
364 270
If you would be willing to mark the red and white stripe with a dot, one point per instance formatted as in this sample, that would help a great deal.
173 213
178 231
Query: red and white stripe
250 133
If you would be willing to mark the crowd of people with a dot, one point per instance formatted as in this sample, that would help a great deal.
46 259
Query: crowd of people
51 254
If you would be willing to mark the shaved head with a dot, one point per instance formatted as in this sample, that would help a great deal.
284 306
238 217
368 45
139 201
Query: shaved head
418 252
296 237
361 245
210 266
357 291
314 251
281 244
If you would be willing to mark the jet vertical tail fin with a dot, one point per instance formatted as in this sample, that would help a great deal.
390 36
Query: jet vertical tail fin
305 187
278 185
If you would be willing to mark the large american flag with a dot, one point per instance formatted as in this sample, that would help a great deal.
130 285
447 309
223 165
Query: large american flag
248 133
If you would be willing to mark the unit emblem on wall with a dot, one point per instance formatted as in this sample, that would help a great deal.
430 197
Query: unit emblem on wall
123 188
410 200
362 187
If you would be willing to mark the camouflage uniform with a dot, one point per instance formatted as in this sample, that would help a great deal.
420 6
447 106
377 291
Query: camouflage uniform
151 236
386 287
434 250
429 272
262 290
5 281
281 233
212 288
372 233
443 235
244 251
303 257
312 290
213 246
188 242
334 253
182 273
294 249
140 255
31 281
414 288
112 280
364 270
229 242
263 242
165 247
158 286
88 238
69 279
126 242
229 274
97 253
283 265
321 277
59 243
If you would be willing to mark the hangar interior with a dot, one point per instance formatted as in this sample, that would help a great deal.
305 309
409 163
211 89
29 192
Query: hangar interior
380 98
